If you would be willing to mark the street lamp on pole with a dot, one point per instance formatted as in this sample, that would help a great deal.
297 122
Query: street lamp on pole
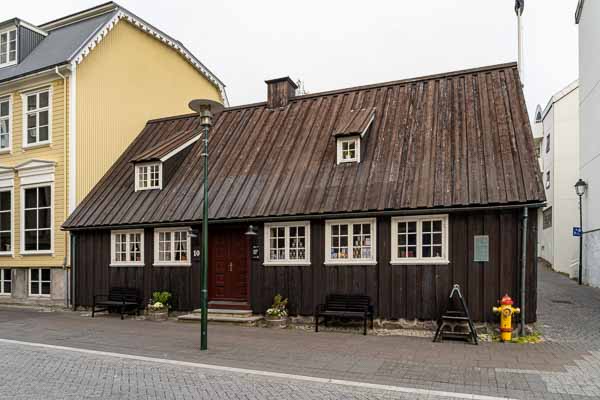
205 109
580 189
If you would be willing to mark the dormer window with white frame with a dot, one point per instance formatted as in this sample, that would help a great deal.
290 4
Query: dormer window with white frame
8 47
348 149
148 176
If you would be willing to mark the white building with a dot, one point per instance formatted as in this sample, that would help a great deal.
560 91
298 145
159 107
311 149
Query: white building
556 131
588 17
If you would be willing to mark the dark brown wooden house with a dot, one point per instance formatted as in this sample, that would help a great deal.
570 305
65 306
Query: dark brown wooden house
396 190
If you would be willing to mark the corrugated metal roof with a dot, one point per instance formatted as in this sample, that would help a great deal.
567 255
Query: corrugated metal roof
56 48
449 140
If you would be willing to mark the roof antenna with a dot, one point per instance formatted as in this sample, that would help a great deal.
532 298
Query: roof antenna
300 91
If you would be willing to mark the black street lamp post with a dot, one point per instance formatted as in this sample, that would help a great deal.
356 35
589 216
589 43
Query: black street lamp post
580 189
205 110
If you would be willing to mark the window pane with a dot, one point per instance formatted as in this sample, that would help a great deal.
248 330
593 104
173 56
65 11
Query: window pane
5 201
7 287
427 251
35 274
427 226
31 102
4 109
43 133
43 118
35 288
32 120
45 287
31 240
344 229
437 251
5 221
437 226
43 218
45 196
31 136
437 238
13 35
5 242
44 239
30 198
45 274
30 219
426 238
5 127
43 99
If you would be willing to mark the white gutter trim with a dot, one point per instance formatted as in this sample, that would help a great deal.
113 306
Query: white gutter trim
73 139
95 39
33 28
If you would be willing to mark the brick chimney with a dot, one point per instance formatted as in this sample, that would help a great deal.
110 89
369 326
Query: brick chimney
280 91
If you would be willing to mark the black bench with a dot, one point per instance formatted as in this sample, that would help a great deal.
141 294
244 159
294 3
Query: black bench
122 299
345 306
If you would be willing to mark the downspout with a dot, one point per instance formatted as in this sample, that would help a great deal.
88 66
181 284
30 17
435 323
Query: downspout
523 268
65 138
73 286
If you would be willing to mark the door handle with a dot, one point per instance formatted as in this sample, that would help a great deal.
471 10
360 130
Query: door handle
230 267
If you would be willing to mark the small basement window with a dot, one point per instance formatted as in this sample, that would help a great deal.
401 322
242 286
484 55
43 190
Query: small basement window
39 282
348 150
148 176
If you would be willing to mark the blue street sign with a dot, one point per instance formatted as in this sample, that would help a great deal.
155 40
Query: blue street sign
576 231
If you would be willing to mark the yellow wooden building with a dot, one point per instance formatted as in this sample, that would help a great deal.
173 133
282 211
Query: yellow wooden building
73 93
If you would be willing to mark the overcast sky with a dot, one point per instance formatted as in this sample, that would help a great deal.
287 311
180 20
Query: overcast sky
334 44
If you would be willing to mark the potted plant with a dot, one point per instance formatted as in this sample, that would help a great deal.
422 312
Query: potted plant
158 308
276 316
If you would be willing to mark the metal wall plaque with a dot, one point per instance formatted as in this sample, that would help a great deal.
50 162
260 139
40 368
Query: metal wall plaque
481 252
255 252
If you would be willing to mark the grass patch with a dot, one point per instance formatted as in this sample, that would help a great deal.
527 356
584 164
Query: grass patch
532 338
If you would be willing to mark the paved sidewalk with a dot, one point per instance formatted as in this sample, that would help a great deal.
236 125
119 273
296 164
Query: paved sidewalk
564 367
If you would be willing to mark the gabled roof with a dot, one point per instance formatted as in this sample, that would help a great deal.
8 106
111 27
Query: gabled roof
355 122
169 147
449 140
73 37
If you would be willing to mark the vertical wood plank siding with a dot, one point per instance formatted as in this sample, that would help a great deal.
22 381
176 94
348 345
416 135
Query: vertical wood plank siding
397 291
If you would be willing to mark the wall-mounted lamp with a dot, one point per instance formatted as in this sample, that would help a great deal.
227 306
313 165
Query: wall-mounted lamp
251 231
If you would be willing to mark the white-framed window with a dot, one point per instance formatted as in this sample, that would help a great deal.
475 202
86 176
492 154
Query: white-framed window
8 47
40 280
5 281
36 220
420 239
148 176
5 123
6 227
351 241
127 248
348 150
172 247
287 243
36 117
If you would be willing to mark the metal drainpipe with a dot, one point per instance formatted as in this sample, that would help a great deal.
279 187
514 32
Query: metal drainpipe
523 269
65 209
73 244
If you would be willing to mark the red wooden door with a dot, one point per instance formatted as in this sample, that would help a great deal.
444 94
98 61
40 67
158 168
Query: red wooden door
228 260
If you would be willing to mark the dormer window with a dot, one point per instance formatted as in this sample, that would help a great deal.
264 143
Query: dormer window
148 176
350 129
348 150
8 47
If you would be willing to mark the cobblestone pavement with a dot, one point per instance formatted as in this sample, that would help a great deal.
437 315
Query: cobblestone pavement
569 315
38 373
565 366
